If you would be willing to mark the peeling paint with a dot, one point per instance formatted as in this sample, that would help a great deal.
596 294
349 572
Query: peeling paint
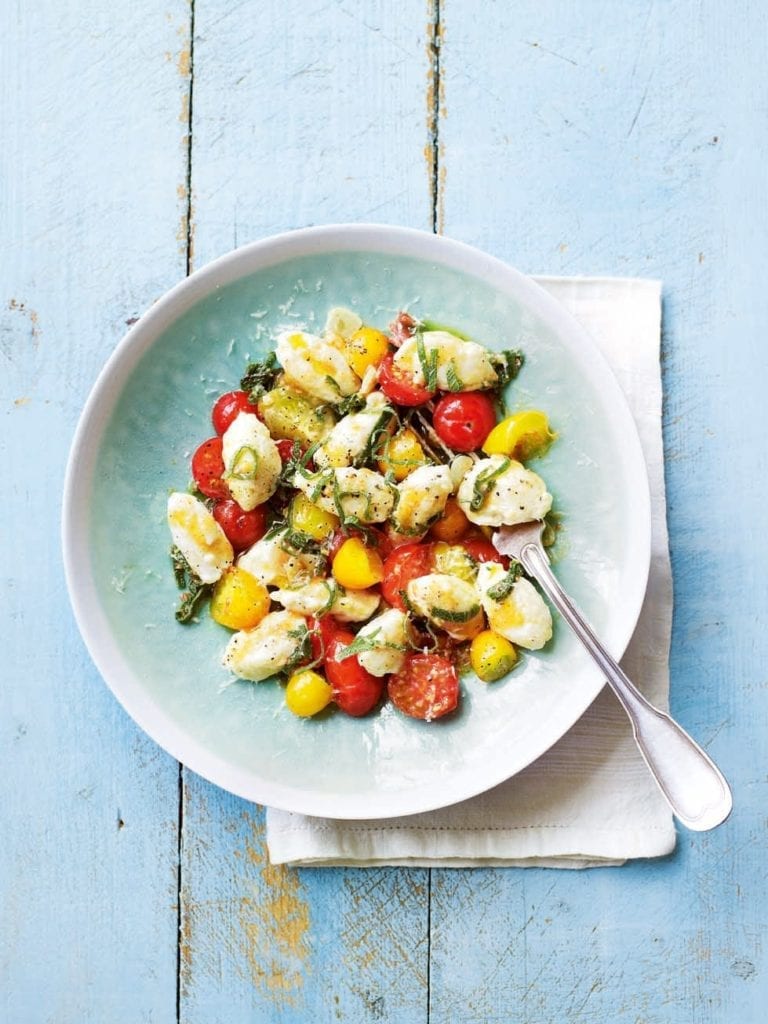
21 307
275 923
435 99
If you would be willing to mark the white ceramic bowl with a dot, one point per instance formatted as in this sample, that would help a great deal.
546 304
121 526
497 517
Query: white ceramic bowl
150 407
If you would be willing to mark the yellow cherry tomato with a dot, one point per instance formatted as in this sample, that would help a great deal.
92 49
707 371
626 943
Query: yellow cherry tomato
521 436
367 347
307 518
454 560
452 525
402 454
491 656
307 693
357 567
239 601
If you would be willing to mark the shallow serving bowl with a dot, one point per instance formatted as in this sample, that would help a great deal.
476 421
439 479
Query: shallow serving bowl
150 408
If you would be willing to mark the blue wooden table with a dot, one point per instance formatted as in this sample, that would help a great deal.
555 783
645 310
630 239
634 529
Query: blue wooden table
139 140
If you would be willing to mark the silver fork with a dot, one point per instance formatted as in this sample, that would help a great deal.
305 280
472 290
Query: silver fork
691 783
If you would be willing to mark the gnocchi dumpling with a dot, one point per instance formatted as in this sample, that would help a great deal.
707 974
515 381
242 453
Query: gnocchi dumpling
315 366
521 616
328 596
354 434
421 499
498 490
460 365
198 536
450 603
387 635
275 563
259 653
349 493
252 462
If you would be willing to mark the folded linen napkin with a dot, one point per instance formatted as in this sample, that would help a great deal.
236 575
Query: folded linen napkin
589 800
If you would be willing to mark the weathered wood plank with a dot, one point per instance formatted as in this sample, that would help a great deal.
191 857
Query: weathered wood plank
300 116
603 138
92 158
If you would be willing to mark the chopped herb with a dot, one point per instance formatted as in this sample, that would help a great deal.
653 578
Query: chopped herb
428 362
334 384
504 587
303 651
367 642
194 590
260 377
455 383
507 365
245 464
180 567
374 446
448 615
350 404
333 591
485 481
299 541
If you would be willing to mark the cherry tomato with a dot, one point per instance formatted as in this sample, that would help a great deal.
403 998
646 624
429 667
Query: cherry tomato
242 528
482 550
406 563
400 387
427 686
208 469
355 690
401 329
227 408
322 631
463 421
285 449
373 538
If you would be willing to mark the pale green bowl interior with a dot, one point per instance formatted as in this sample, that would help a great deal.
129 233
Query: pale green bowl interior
163 413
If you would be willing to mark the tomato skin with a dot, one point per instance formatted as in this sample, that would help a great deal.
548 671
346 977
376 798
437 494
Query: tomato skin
227 408
398 387
406 563
482 550
322 631
426 687
464 420
208 469
242 528
373 538
355 690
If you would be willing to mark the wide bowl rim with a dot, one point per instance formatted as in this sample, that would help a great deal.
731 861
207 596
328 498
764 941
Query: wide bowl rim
238 263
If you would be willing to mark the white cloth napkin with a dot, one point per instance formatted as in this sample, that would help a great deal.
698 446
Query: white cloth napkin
589 800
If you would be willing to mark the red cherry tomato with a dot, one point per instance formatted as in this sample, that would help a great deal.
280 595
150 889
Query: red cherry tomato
482 550
228 407
400 387
208 469
355 690
426 687
322 631
463 421
406 563
285 448
242 528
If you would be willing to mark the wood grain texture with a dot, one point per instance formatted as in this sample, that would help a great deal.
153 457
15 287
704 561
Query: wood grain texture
574 138
326 121
91 159
597 138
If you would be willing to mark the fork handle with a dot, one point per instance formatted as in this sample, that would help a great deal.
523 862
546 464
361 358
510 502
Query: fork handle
691 783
